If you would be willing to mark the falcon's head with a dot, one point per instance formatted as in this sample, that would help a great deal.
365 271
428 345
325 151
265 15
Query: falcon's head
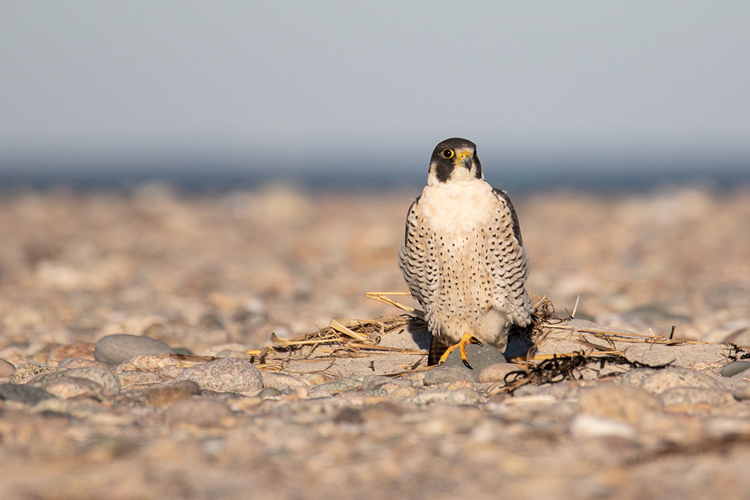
454 160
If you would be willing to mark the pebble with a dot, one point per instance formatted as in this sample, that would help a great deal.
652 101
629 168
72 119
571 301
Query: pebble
384 390
72 387
165 396
342 384
728 428
617 402
79 362
6 369
372 383
226 375
318 394
689 396
496 372
169 372
404 392
24 373
26 394
134 377
140 389
116 349
532 400
80 351
201 412
351 381
480 357
447 374
461 396
658 381
590 426
459 384
188 386
742 393
14 355
735 367
269 392
154 362
107 383
101 376
332 387
385 410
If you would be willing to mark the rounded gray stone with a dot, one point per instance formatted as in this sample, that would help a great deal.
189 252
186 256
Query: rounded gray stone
26 394
116 349
269 392
446 374
479 357
735 367
225 375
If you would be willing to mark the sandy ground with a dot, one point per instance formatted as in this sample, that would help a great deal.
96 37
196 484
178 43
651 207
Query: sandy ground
206 271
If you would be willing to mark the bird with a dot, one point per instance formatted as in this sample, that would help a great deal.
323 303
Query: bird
463 256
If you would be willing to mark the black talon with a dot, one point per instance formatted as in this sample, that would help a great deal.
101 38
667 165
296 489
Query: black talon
466 363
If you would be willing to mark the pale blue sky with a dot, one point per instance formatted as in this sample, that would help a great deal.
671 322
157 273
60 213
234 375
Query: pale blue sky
284 86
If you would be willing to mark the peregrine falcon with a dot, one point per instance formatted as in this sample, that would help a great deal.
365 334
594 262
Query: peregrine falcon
463 256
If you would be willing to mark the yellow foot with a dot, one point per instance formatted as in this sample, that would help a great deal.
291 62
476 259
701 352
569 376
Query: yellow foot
466 339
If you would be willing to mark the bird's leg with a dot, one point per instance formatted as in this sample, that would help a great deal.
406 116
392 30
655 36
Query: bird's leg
466 339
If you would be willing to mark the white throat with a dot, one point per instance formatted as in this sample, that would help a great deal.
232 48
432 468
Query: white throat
456 205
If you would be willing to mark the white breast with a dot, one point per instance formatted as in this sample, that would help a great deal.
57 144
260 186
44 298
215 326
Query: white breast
457 207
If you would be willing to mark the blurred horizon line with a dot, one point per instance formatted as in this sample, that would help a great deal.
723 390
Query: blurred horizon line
203 175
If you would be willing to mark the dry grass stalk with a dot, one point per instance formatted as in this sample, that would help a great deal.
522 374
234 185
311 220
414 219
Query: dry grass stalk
342 338
382 297
336 325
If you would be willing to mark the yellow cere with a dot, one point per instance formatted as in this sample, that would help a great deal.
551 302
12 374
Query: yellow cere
463 154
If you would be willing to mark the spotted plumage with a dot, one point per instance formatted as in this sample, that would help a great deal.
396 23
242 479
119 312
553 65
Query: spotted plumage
463 256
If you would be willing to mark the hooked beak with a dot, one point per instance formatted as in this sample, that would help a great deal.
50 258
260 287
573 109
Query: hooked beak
464 159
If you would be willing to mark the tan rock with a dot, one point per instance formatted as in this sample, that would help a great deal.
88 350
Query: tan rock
618 402
78 363
25 373
137 377
201 412
165 396
79 351
496 372
6 369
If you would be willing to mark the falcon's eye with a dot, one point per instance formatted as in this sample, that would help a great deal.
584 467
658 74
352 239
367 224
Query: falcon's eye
447 153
